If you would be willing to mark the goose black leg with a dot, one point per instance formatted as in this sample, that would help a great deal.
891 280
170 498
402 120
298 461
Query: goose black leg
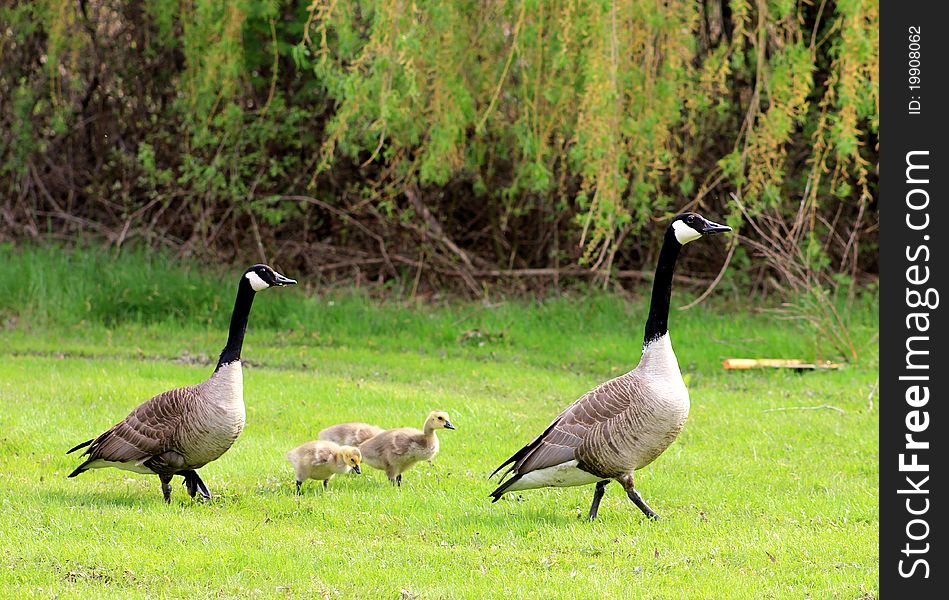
627 482
166 487
326 484
398 479
202 487
597 496
194 484
299 483
190 485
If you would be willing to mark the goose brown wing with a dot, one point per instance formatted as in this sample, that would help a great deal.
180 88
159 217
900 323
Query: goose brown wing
147 431
559 442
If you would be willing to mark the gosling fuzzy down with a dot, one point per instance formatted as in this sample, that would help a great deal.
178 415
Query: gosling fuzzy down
396 450
349 434
321 460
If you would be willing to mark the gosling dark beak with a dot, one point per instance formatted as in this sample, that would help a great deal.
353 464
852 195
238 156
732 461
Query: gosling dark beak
357 469
712 227
280 280
448 425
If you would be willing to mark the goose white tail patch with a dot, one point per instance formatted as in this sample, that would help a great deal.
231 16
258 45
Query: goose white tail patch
684 233
132 465
256 282
563 475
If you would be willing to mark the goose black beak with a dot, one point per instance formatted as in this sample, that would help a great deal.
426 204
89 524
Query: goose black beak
357 469
712 227
448 425
280 280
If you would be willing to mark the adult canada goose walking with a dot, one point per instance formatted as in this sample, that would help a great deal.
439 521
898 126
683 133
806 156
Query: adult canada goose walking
624 424
181 430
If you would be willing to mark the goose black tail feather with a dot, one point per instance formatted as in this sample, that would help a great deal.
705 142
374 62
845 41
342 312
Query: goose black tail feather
501 489
523 452
509 461
80 446
81 468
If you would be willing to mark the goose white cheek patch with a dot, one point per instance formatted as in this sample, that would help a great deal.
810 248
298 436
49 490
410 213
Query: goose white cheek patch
684 233
256 282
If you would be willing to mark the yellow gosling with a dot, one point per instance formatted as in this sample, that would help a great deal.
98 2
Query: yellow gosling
321 460
396 450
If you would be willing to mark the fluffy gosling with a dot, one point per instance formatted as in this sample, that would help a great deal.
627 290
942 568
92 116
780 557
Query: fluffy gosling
396 450
321 460
349 434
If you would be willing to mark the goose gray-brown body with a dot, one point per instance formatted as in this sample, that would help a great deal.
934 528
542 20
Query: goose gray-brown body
618 427
396 450
626 423
349 434
181 430
321 460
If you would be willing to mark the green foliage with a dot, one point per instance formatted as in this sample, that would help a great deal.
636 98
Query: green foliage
537 132
610 92
22 142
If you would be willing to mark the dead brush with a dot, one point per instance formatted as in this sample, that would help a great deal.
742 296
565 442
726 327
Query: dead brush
787 244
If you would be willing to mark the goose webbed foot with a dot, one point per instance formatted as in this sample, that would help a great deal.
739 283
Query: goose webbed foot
627 482
194 484
165 487
597 496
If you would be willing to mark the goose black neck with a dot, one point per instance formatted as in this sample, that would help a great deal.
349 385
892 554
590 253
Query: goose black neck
235 338
657 324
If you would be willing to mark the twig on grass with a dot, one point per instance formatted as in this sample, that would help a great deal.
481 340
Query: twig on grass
840 410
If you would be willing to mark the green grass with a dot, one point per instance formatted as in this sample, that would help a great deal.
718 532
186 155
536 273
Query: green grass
755 504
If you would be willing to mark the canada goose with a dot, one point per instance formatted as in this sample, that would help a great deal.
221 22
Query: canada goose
396 450
322 459
624 424
349 434
181 430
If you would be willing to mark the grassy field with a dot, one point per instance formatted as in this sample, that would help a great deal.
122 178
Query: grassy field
755 503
